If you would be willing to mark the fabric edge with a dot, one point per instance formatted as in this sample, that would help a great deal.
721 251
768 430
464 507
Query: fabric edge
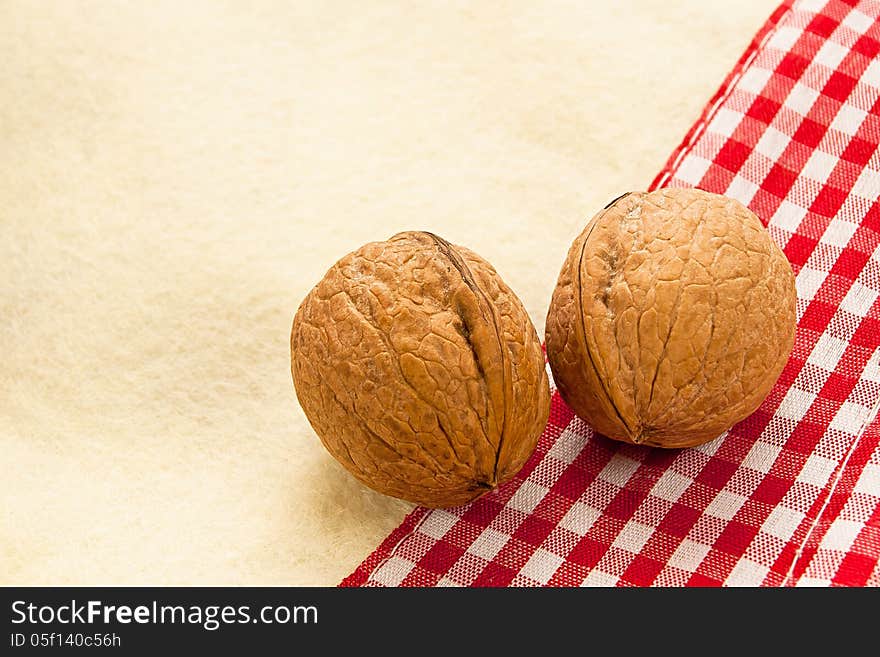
362 573
713 104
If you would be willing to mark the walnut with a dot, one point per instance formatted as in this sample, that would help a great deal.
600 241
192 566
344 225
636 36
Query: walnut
420 370
673 316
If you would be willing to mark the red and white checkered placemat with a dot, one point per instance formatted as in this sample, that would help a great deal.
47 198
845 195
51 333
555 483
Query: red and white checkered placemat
789 496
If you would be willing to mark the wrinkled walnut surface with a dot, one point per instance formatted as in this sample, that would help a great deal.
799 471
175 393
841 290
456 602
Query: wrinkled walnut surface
673 316
420 370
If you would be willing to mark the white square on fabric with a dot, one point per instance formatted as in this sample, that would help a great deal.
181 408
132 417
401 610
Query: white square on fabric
819 166
795 404
811 6
850 418
689 555
488 544
725 505
393 571
437 524
849 119
445 582
754 79
788 216
812 582
778 429
747 573
816 471
527 497
772 143
541 565
868 185
871 76
692 169
671 485
808 282
869 481
859 299
633 537
830 54
856 20
712 446
618 470
784 38
725 122
801 98
838 232
741 189
827 352
782 522
762 456
823 257
841 535
579 518
567 447
597 578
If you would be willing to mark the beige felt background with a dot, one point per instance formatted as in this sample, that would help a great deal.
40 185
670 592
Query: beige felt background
175 176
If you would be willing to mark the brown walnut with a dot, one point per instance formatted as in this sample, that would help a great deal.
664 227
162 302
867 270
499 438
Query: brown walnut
673 316
420 370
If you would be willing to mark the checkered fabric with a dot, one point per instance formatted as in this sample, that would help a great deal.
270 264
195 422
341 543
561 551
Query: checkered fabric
791 495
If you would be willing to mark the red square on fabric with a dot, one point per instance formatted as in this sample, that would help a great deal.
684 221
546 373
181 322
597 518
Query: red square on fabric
872 218
771 490
805 437
859 151
837 387
792 65
700 580
483 511
716 473
867 333
764 109
625 504
440 557
679 520
854 570
732 155
642 571
867 46
829 201
735 538
494 574
839 86
569 573
799 249
850 264
573 482
588 552
779 180
810 133
822 25
533 530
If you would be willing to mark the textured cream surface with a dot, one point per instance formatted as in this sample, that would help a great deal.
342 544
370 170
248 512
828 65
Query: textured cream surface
175 177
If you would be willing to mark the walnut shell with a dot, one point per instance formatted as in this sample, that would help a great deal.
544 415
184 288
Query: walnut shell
420 370
673 316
